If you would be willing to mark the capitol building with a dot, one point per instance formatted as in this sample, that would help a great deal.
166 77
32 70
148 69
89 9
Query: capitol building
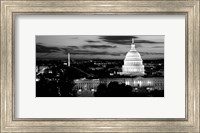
132 73
133 63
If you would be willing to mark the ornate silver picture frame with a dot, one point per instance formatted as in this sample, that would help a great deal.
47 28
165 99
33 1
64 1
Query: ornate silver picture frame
10 9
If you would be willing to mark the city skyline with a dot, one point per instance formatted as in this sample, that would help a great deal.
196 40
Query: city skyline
52 47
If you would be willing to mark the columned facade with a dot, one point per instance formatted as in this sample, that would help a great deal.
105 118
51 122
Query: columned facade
156 83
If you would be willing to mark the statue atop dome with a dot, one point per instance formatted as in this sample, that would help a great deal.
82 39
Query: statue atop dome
132 40
133 63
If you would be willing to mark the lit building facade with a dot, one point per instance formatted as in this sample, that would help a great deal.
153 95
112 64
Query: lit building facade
156 83
133 63
88 84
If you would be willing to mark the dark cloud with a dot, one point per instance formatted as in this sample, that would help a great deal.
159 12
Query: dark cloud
146 41
149 53
91 41
158 47
152 45
99 46
73 47
70 49
125 40
89 52
40 48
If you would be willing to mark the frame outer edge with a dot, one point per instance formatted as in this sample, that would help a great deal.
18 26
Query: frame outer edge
6 65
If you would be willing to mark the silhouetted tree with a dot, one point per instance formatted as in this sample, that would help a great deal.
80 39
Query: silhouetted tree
66 85
114 89
157 93
41 90
102 91
126 90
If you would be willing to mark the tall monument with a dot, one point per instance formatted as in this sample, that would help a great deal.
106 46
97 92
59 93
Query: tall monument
133 63
68 59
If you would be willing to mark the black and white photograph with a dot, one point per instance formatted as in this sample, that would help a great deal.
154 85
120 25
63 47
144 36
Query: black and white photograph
99 65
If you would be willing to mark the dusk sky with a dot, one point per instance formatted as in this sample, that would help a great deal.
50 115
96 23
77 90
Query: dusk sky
98 47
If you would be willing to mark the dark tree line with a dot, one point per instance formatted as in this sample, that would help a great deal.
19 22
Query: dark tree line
114 89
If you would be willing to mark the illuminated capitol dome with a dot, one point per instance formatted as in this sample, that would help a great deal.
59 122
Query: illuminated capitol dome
133 64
